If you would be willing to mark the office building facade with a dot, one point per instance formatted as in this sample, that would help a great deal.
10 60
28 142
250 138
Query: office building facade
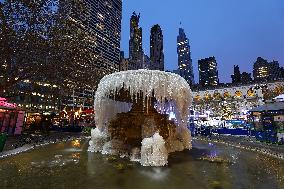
135 42
246 78
260 69
102 20
208 73
266 71
236 77
156 49
240 78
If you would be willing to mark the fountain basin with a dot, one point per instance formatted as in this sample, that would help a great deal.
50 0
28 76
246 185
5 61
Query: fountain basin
66 165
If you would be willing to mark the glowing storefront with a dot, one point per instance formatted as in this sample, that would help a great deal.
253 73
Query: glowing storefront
11 118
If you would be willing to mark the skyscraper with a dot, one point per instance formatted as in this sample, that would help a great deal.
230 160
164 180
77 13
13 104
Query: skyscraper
102 19
105 22
135 42
265 71
100 22
184 57
236 78
246 78
240 78
260 69
208 73
282 72
156 48
146 62
274 71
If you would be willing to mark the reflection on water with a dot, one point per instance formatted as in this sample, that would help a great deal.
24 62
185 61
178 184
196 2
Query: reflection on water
155 173
76 143
73 150
76 155
75 146
69 165
57 161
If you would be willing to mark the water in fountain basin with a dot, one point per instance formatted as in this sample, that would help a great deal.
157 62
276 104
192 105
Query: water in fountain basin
54 166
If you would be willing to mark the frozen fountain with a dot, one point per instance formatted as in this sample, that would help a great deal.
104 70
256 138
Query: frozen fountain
132 116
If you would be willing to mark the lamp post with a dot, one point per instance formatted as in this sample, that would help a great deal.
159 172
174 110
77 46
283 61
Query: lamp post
73 99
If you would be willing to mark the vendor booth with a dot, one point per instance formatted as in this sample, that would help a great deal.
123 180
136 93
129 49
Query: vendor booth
11 118
268 121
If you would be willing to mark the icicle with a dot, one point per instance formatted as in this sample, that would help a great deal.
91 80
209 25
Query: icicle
170 91
164 85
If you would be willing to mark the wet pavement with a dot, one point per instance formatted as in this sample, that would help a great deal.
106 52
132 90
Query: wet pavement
14 142
246 142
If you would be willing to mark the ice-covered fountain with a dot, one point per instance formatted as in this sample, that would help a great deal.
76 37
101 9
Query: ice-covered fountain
132 118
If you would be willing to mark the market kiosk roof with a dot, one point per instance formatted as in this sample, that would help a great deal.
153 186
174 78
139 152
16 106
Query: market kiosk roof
5 105
279 98
276 106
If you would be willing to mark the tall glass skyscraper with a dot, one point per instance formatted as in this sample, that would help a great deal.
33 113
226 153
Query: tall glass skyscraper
184 57
156 48
105 22
102 19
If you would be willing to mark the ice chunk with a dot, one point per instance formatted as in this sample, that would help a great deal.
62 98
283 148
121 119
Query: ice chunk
115 147
135 154
153 151
97 141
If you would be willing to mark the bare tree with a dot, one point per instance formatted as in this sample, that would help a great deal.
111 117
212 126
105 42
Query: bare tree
43 41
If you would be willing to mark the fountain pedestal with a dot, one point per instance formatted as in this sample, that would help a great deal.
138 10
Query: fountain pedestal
139 123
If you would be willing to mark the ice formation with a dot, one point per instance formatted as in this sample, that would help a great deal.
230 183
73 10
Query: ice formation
170 91
153 151
98 140
166 86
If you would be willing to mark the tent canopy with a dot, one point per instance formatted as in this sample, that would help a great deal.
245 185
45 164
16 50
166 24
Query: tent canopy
6 105
279 98
3 99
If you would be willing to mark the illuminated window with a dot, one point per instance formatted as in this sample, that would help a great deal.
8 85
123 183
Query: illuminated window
238 94
250 93
227 94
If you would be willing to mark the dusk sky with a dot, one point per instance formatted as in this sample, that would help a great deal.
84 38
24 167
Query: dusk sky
234 31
